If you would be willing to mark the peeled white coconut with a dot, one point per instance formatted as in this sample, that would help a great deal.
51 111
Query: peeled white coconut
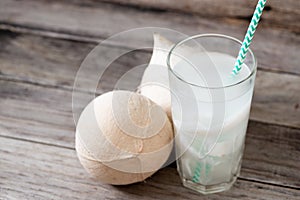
155 81
123 137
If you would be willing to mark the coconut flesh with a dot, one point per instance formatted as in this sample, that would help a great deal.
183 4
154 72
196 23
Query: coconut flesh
123 137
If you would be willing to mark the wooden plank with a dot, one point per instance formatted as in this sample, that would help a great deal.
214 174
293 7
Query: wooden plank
36 171
272 152
276 13
53 62
95 20
276 99
44 115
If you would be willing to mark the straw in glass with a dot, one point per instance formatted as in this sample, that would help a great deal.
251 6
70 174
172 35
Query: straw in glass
238 64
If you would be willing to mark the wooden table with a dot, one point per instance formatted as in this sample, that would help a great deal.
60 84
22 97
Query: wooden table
42 44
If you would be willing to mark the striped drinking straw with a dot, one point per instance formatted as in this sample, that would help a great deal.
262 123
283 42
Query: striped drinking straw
249 36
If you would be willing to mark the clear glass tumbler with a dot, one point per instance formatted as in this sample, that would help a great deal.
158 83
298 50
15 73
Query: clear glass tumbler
210 109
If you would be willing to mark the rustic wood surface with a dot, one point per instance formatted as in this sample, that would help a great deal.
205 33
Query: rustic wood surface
94 21
23 51
51 172
278 13
42 44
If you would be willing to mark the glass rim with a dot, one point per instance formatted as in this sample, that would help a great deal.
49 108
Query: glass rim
218 36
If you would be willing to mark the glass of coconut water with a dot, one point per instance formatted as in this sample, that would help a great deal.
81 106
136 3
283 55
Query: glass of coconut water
210 109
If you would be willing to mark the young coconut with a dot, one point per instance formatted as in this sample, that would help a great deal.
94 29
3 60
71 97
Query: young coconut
155 81
123 137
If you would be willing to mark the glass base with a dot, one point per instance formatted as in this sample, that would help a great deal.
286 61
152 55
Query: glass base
208 189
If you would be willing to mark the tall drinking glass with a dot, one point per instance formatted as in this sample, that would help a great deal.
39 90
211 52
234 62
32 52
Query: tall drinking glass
210 109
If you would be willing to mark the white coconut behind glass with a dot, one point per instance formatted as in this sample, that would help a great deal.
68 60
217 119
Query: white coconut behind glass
155 81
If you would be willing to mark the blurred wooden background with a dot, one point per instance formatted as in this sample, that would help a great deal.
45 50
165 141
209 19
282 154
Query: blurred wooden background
42 44
277 13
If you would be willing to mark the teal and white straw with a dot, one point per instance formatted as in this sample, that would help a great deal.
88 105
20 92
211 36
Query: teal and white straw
249 36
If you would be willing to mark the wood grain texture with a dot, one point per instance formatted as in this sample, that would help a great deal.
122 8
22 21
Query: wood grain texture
93 19
277 13
44 115
37 73
273 151
36 171
53 63
276 97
